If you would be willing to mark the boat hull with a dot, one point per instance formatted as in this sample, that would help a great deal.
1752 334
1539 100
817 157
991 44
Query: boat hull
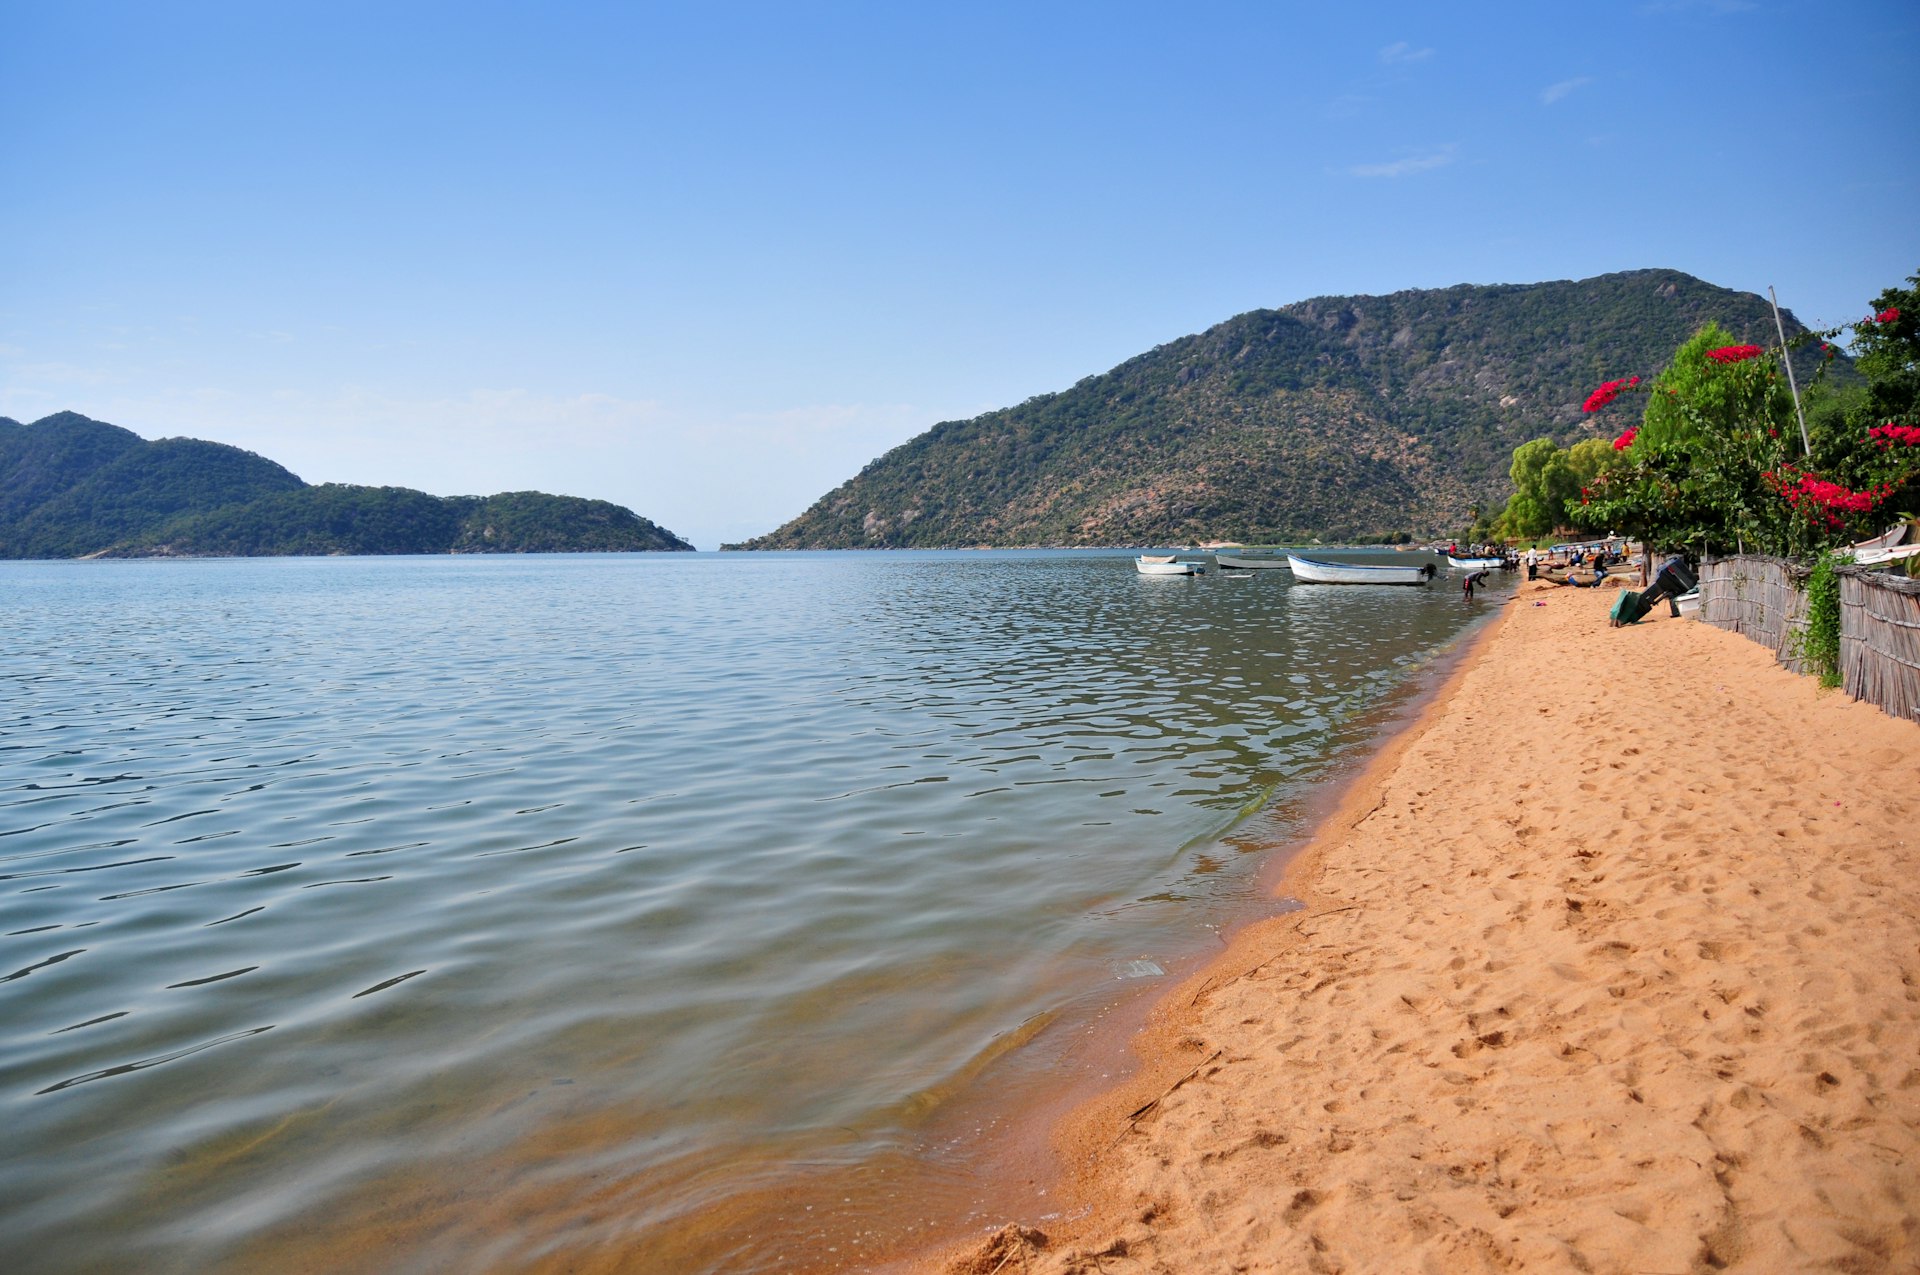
1257 562
1474 564
1311 571
1147 567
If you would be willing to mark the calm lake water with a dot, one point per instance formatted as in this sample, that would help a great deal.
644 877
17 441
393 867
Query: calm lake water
426 914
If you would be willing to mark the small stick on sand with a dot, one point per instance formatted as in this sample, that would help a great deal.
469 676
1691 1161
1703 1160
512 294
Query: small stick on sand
1133 1117
1351 907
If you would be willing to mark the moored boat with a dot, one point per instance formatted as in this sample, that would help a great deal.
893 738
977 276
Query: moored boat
1251 561
1150 564
1896 534
1474 564
1888 546
1312 571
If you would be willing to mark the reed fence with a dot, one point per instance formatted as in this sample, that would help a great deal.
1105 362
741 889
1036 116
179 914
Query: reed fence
1762 599
1880 640
1765 600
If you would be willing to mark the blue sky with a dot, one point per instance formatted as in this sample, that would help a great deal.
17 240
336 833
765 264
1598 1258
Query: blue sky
708 260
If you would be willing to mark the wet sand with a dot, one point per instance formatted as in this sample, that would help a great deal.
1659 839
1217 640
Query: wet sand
1609 963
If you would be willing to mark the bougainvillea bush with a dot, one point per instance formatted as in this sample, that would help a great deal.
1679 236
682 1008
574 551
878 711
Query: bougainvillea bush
1718 459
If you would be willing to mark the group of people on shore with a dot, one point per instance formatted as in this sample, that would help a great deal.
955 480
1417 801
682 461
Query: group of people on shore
1594 558
1576 560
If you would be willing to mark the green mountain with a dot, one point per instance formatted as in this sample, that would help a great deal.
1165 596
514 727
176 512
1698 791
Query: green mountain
1339 418
73 487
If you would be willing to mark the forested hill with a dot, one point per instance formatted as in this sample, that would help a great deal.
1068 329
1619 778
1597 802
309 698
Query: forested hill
71 487
1338 418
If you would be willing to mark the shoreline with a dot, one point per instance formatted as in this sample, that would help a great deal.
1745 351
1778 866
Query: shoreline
1602 965
1155 1058
1000 1156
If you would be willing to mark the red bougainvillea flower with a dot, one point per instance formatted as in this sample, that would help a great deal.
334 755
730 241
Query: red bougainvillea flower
1890 433
1887 316
1607 392
1633 380
1734 353
1626 438
1824 502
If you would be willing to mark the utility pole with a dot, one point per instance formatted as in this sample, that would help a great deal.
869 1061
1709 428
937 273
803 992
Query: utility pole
1786 357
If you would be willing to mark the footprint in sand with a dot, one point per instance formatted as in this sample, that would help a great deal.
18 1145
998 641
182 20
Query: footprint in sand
1303 1203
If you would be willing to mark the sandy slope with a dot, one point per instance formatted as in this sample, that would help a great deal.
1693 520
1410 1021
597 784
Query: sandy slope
1611 963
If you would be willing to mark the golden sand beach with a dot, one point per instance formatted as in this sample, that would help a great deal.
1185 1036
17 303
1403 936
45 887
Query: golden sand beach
1609 963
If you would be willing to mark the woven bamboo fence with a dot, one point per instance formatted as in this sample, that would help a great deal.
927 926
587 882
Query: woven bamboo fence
1765 601
1762 599
1880 640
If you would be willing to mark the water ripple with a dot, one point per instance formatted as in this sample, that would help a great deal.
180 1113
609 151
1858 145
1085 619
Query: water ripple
144 1063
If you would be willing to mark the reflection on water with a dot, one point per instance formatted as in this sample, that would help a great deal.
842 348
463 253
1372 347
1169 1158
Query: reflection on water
506 910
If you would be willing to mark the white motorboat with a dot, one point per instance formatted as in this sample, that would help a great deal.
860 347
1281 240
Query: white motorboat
1889 546
1894 535
1474 564
1149 564
1889 553
1251 562
1312 571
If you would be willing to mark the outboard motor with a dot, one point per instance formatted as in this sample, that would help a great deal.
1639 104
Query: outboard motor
1672 580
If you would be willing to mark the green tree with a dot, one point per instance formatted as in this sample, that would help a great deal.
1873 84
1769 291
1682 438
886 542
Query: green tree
1586 461
1699 469
1887 350
1542 485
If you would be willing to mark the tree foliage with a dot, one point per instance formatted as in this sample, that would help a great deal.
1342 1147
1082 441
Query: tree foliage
1586 460
1698 468
1887 351
1718 459
1543 482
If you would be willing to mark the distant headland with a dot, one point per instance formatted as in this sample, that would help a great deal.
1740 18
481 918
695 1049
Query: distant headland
73 487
